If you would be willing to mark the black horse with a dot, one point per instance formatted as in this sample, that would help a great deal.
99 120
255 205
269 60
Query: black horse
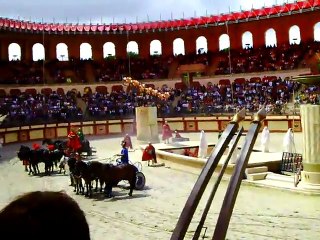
90 171
113 174
75 176
34 157
28 155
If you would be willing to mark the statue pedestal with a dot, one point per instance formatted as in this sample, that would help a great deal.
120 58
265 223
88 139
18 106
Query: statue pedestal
310 121
147 124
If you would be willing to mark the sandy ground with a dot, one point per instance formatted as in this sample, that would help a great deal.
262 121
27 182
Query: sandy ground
152 213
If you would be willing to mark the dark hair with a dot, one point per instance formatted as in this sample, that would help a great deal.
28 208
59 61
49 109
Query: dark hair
40 215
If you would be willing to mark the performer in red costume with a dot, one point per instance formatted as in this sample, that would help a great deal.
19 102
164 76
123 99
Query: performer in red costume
149 154
166 132
74 143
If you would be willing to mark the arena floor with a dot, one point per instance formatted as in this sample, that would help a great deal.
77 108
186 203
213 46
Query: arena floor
259 213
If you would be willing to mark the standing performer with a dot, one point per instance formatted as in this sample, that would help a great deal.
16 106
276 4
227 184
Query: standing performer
80 134
265 139
166 132
203 147
128 142
288 142
74 143
149 154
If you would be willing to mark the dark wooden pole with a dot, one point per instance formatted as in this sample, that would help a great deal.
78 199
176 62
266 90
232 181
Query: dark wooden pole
215 187
236 178
204 177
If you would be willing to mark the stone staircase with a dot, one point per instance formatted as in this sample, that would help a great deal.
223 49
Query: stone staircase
256 173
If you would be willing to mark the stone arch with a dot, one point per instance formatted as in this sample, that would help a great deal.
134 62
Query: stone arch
85 51
316 32
224 42
132 48
201 45
109 50
294 35
62 52
178 46
270 37
38 52
14 52
155 47
247 40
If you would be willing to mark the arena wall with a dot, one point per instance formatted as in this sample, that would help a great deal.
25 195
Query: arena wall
128 126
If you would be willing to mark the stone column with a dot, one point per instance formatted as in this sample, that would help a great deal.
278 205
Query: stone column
310 121
147 124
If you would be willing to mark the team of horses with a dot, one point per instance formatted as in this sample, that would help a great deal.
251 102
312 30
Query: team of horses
107 175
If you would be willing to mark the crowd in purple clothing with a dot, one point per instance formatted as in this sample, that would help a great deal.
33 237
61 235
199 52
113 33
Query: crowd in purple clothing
211 99
39 108
227 98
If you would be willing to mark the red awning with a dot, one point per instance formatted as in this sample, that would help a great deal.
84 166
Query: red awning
86 28
1 22
293 6
54 27
134 27
127 27
40 27
66 28
284 9
11 23
100 28
316 3
212 19
94 28
147 26
304 4
80 28
46 27
60 27
34 26
141 26
29 26
17 24
274 10
6 23
154 25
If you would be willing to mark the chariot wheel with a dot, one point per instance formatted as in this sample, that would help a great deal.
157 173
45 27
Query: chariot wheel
140 181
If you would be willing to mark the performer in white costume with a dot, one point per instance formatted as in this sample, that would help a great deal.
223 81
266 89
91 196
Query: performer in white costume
288 142
265 139
203 147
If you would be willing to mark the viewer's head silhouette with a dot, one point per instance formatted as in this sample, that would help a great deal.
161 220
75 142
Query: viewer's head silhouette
40 215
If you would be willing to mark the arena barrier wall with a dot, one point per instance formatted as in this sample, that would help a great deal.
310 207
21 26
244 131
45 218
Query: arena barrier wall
128 126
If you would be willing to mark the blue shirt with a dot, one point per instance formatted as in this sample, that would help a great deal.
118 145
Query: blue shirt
125 156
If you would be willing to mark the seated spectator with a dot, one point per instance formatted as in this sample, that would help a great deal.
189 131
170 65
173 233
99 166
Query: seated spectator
40 215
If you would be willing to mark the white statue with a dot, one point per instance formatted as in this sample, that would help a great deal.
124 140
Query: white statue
203 147
265 139
288 142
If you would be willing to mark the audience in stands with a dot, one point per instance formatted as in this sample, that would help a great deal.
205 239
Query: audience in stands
274 93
